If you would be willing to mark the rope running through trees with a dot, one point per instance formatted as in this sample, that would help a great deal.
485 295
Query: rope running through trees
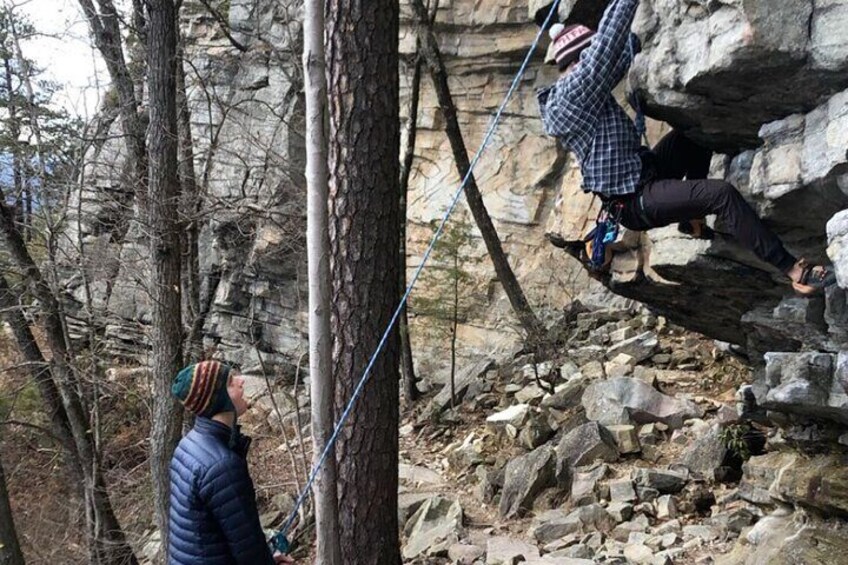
495 121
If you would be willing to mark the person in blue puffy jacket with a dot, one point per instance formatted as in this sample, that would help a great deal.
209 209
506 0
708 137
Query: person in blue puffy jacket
213 517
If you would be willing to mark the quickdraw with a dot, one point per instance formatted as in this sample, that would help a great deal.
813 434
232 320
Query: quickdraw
598 255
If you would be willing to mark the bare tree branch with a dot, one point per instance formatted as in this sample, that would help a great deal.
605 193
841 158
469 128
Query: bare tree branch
225 25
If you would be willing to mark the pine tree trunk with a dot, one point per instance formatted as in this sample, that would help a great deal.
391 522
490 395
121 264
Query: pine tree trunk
164 223
10 548
362 74
328 551
506 276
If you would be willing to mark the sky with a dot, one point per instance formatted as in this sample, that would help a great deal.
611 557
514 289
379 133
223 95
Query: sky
65 52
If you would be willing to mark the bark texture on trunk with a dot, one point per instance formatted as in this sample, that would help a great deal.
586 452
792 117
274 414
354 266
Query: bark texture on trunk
164 224
10 547
362 74
318 250
430 49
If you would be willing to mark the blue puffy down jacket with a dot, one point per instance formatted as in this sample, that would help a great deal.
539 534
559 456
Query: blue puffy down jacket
213 518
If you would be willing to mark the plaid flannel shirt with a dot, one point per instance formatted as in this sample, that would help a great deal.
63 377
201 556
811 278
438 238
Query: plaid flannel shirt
581 111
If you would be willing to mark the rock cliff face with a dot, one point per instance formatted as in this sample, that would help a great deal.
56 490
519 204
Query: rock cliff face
743 80
762 83
246 111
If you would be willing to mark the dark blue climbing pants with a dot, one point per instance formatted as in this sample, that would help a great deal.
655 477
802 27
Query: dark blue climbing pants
665 198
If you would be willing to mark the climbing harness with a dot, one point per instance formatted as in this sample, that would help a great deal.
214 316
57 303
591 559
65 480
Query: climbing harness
367 373
597 255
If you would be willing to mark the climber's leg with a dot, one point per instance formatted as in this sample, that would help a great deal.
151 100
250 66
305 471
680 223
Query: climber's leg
679 157
667 201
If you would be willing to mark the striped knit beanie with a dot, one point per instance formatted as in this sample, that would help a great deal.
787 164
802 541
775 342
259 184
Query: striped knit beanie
202 388
568 43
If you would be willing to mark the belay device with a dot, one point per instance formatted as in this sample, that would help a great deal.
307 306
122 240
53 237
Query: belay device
279 542
597 255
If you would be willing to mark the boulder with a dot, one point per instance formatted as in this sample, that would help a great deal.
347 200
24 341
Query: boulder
837 236
649 435
529 393
627 401
535 432
585 486
465 554
502 550
467 454
639 524
706 454
576 554
663 480
621 490
409 503
566 395
790 539
699 61
625 437
700 531
637 348
525 478
584 445
487 483
619 366
620 511
638 554
471 372
819 482
556 524
416 476
514 416
434 527
812 385
666 507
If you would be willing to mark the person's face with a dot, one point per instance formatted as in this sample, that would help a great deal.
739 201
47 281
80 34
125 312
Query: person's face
235 388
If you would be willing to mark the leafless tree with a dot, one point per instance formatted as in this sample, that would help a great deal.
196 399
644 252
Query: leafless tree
430 50
318 250
165 252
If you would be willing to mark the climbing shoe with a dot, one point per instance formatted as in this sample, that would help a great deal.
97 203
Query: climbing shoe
696 228
814 279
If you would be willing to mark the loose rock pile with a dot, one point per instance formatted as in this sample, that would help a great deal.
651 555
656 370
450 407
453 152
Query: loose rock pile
626 449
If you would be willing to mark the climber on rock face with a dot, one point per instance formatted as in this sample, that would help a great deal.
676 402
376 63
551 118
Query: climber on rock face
646 184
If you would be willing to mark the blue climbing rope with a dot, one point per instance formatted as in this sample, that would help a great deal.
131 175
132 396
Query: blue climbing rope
317 468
